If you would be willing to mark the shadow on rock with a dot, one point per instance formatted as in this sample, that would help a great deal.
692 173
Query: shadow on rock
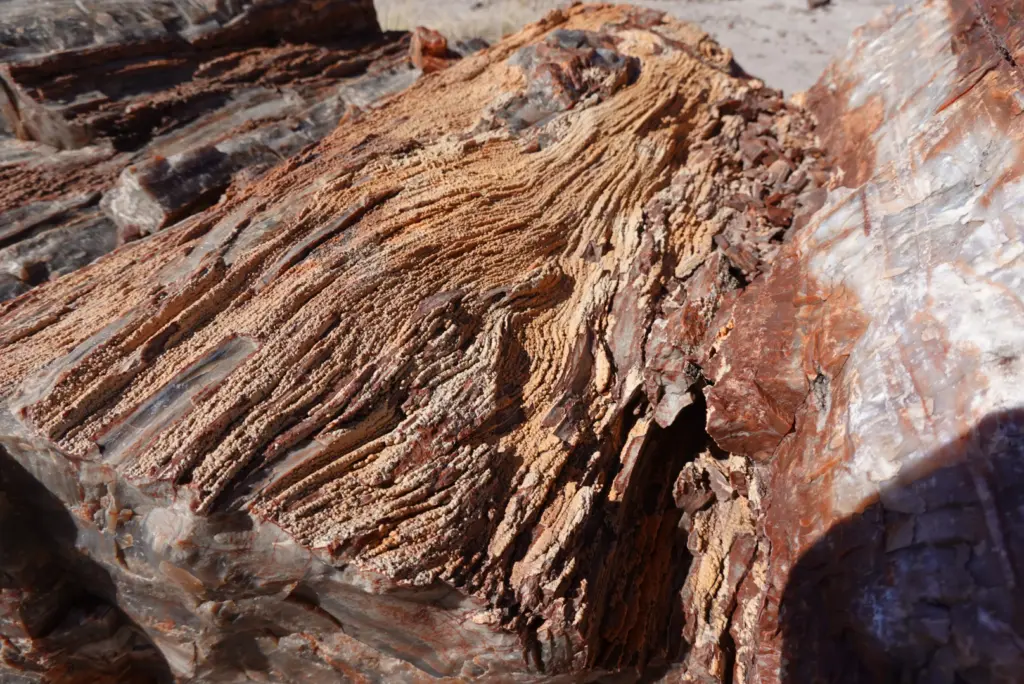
922 585
59 620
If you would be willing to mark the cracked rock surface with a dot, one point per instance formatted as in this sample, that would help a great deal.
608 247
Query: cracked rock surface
584 358
118 119
874 372
413 404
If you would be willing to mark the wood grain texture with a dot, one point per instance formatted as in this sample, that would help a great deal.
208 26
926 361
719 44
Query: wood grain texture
432 379
124 118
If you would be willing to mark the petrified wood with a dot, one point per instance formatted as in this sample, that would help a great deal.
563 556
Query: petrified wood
415 403
874 374
120 118
74 72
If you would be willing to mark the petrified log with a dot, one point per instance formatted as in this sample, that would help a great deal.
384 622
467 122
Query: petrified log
874 374
428 400
414 404
72 73
158 107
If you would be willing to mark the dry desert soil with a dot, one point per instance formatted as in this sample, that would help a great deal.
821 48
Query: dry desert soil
782 42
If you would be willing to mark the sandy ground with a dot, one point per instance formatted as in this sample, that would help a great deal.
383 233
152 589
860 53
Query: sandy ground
780 41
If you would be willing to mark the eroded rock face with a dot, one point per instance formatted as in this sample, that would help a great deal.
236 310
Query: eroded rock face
414 404
118 119
74 73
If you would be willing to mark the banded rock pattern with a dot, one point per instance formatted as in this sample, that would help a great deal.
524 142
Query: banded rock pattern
413 405
118 118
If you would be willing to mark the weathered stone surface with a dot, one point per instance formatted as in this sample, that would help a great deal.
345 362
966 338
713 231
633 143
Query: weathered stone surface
74 72
414 404
58 611
156 107
425 402
875 371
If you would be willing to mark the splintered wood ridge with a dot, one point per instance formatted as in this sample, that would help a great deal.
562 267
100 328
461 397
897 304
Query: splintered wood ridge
421 347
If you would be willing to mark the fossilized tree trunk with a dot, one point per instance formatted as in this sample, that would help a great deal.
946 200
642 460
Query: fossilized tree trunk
427 400
156 107
413 404
875 372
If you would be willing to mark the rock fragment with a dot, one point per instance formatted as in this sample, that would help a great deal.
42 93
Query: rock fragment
429 51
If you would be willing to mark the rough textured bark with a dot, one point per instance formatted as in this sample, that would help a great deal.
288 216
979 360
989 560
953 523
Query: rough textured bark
413 404
157 107
874 373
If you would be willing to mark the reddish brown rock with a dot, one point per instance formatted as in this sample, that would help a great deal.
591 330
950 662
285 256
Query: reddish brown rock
429 51
426 401
156 108
413 405
874 370
72 75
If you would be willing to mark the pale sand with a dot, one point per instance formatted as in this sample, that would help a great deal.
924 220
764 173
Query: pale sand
780 41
